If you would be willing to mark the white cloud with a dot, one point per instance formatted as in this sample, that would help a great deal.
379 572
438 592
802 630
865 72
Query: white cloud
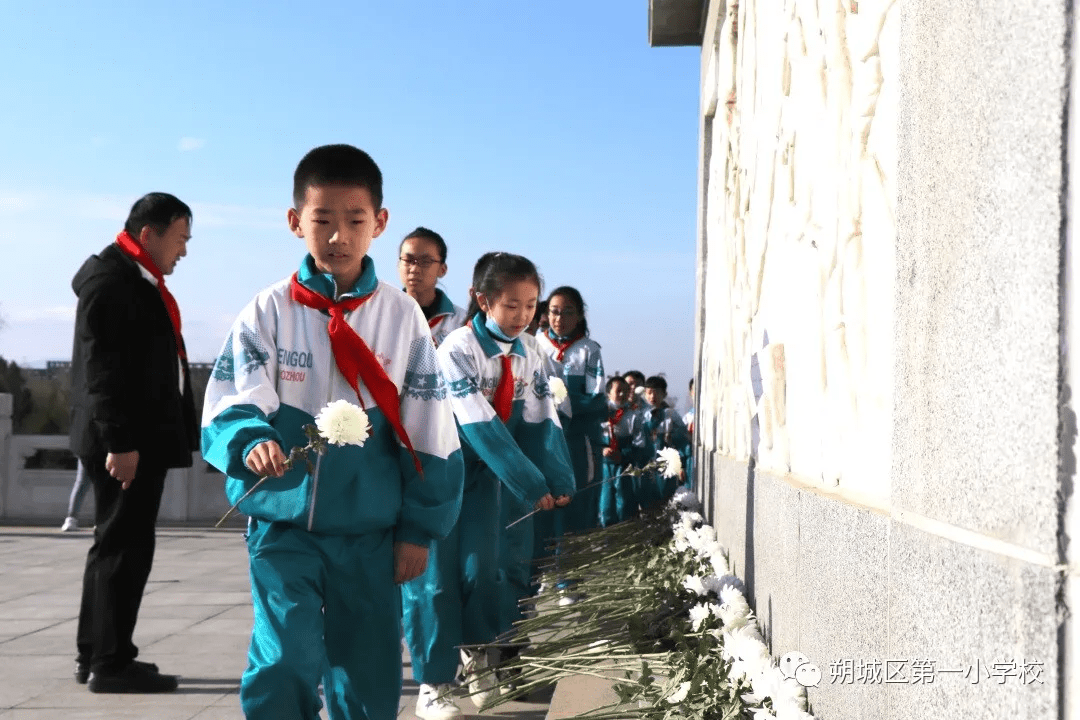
190 143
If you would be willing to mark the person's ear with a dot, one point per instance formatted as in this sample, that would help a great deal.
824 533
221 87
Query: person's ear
482 301
381 218
442 270
145 235
293 219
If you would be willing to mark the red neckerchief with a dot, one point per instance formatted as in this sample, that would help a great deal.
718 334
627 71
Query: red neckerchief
562 347
355 360
134 250
436 320
503 401
613 420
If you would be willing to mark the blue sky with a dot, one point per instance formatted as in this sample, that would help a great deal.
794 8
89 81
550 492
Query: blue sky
550 129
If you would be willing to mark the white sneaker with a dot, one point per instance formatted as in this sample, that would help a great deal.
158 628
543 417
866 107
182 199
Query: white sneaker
569 598
434 703
70 523
480 682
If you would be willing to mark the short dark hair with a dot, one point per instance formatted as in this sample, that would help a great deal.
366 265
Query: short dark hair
158 210
637 375
424 233
337 165
656 382
572 294
494 271
614 380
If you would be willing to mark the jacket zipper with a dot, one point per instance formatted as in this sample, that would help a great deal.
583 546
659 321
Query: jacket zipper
318 462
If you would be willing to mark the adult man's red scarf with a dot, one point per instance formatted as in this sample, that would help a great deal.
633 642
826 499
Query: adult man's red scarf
563 346
133 249
355 359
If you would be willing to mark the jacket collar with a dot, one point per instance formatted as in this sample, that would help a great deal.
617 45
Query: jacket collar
487 342
323 283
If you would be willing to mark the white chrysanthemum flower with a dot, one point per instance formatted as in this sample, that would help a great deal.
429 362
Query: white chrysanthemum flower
789 712
699 614
680 694
684 499
691 519
343 423
773 685
712 584
747 652
706 538
694 584
558 389
719 563
670 462
762 714
734 610
681 540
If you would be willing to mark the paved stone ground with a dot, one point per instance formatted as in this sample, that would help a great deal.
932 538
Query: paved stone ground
195 622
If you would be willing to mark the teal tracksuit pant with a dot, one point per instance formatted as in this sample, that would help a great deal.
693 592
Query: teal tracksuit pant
475 577
326 607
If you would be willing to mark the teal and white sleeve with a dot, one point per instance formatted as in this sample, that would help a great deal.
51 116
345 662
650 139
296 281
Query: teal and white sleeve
430 504
541 437
482 430
241 398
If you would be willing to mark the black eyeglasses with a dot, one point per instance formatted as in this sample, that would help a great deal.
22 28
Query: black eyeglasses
422 262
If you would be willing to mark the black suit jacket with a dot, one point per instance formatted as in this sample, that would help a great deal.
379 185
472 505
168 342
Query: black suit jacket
125 378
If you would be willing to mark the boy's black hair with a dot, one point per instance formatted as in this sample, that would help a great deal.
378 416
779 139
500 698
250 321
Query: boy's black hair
571 294
494 271
637 375
424 233
337 165
656 382
614 380
158 210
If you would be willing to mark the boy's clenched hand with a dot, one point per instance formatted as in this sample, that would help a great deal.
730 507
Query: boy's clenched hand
410 561
266 458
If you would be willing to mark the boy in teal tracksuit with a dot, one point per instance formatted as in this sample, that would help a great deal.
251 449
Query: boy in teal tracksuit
329 547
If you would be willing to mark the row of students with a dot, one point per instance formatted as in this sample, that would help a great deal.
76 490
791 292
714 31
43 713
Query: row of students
633 433
465 438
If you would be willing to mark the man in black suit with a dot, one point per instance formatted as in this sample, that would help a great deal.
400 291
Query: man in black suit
132 418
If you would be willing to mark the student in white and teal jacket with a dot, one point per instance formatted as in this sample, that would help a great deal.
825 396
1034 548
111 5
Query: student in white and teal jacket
328 548
515 461
626 443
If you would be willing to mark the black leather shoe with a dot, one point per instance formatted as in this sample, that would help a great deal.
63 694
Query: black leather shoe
82 670
136 677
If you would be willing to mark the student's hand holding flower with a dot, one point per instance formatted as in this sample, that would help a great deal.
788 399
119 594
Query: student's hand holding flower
562 501
410 561
266 459
545 503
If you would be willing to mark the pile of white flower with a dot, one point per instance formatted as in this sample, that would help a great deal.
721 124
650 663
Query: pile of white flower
657 611
724 613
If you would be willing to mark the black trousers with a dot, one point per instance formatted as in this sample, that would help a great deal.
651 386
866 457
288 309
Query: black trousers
118 563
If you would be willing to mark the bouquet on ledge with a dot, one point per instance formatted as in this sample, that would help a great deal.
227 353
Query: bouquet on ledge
339 423
659 614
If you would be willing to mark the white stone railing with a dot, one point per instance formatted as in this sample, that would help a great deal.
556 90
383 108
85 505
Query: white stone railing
192 495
